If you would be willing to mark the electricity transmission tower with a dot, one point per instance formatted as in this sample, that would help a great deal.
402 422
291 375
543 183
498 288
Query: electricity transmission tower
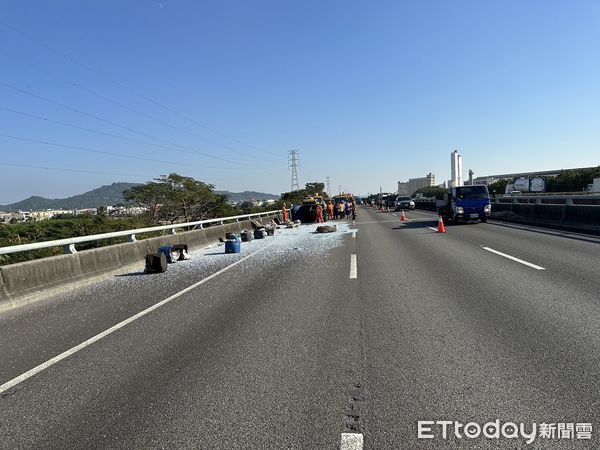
328 188
293 164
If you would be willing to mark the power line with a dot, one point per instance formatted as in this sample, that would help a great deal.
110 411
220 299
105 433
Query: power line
121 105
179 148
92 130
308 175
62 169
124 86
102 152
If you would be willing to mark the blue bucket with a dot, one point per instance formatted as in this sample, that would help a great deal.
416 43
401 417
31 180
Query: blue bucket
234 236
232 246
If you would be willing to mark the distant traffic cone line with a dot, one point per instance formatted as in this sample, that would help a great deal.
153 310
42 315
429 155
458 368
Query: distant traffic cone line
403 217
441 227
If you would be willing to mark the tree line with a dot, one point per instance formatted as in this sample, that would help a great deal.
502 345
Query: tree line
169 199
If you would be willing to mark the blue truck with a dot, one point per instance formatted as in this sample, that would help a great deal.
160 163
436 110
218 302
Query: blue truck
465 203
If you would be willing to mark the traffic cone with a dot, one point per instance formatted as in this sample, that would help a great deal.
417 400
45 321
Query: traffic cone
441 227
403 217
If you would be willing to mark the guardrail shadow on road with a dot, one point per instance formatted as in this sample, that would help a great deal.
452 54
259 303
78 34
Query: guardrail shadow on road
550 230
420 224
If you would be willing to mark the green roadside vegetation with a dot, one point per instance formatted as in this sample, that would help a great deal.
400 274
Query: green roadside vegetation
170 199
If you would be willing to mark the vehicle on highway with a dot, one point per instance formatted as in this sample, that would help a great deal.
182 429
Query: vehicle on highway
307 211
343 198
465 203
513 194
404 202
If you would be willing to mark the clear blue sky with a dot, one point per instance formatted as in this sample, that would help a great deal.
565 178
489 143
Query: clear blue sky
369 92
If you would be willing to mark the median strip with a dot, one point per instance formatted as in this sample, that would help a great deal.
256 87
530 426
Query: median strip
514 258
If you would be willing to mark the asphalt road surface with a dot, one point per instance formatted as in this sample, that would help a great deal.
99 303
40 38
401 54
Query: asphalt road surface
320 341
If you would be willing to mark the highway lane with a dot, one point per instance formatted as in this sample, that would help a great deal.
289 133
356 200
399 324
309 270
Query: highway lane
287 350
262 356
456 333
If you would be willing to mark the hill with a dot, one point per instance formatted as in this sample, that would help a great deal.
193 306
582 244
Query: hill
104 195
109 195
247 196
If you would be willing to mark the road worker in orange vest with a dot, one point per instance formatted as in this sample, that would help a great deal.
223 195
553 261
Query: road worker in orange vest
284 213
330 210
340 208
319 217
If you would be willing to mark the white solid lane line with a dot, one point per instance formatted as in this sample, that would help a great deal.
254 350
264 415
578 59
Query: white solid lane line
9 384
514 258
351 441
431 228
353 271
354 233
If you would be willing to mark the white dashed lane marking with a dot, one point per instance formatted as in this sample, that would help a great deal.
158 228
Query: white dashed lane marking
514 258
351 441
353 271
30 373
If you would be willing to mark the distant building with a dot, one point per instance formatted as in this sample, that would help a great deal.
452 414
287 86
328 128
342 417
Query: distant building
403 188
414 184
456 169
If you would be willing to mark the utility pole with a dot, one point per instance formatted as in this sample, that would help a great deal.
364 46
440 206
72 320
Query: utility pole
293 161
328 188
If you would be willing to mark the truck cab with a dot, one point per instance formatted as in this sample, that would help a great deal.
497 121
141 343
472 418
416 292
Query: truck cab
465 203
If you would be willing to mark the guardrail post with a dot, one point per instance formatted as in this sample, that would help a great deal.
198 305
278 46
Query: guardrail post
538 201
69 249
569 202
131 238
222 223
172 231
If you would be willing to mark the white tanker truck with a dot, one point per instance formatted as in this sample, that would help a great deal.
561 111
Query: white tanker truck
524 184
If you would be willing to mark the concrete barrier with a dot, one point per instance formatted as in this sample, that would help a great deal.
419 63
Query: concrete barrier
584 218
31 277
427 206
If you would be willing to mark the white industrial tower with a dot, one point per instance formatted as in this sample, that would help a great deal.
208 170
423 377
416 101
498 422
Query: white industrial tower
456 178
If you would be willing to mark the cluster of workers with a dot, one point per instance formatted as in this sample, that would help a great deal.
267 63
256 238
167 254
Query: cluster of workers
341 210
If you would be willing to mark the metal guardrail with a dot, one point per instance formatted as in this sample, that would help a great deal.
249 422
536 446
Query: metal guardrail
529 198
549 198
68 244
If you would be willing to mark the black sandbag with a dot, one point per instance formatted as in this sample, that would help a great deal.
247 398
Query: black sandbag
156 263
